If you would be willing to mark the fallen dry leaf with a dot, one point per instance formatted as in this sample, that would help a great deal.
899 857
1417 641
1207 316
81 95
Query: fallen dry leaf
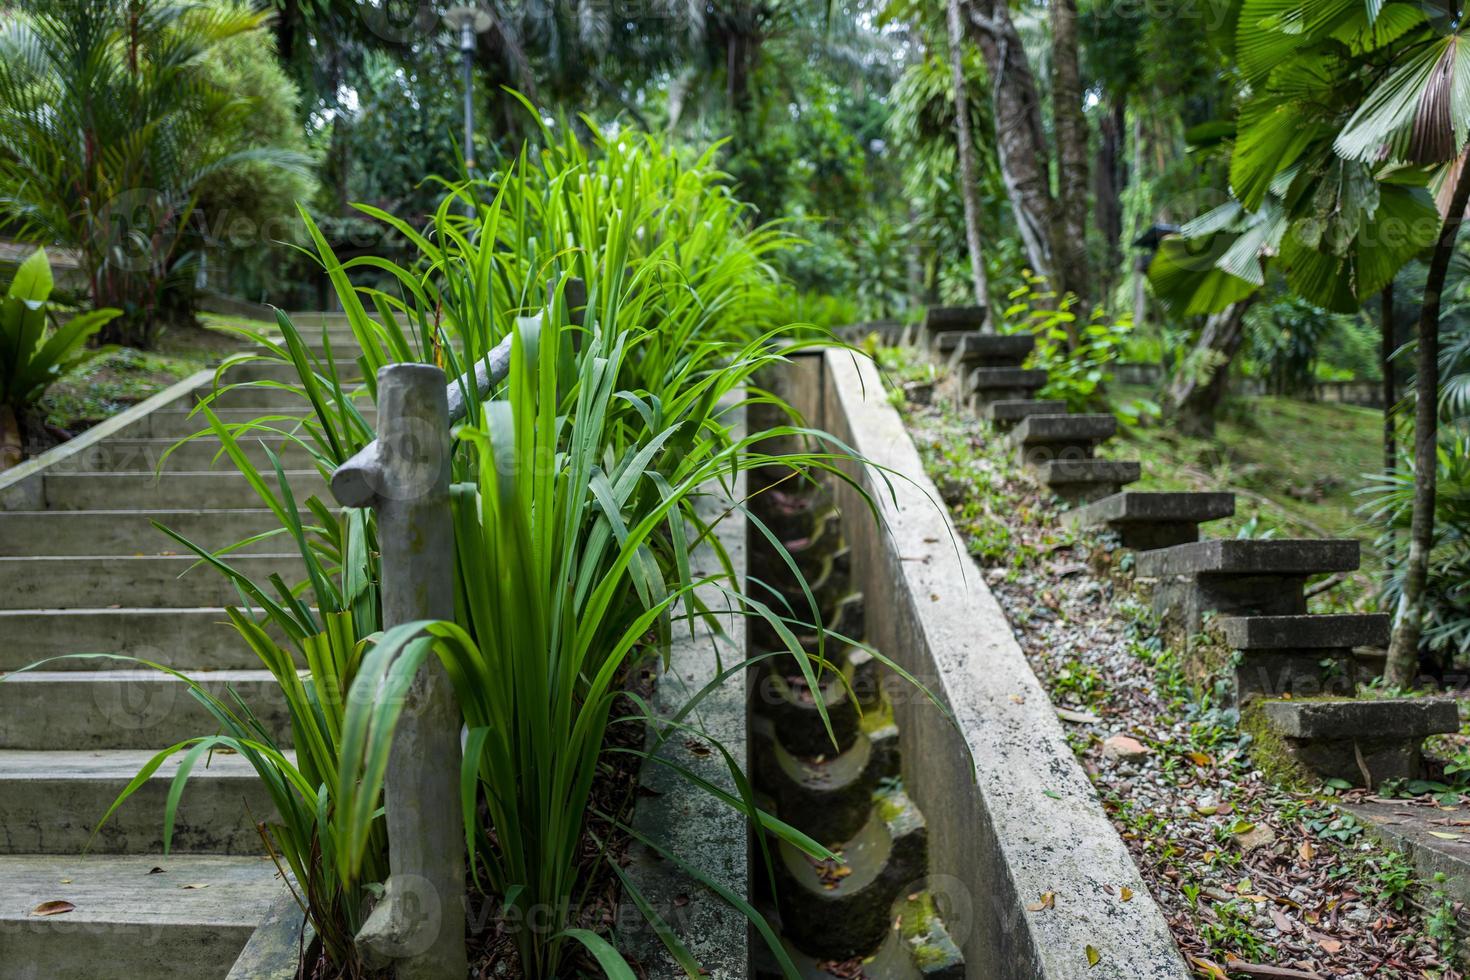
1093 956
1048 900
53 908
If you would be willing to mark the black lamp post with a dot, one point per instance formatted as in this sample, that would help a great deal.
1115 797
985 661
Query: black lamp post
469 21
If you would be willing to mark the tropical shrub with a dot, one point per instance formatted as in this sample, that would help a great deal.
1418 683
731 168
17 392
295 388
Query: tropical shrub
1075 353
577 493
33 353
110 128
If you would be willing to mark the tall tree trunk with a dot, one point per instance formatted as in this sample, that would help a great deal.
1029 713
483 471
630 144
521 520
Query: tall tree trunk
1020 141
1403 648
1108 181
1194 399
1071 125
965 143
1390 443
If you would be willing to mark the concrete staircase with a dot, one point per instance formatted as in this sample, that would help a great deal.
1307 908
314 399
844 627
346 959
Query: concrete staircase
1251 592
83 570
848 796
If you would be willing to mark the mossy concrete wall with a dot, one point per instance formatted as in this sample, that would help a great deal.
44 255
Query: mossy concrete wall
1011 814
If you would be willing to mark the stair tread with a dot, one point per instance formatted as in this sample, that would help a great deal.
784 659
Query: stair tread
111 765
1089 471
119 888
1310 631
1063 427
133 675
1353 718
1156 507
1246 556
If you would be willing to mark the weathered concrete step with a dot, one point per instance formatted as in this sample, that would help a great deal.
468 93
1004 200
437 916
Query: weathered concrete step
1252 556
1364 741
984 380
197 455
919 946
1012 410
973 350
225 488
188 921
1301 656
179 422
127 709
261 398
51 802
1342 631
348 372
839 915
944 319
1085 480
1063 428
31 533
89 582
200 638
1147 520
827 796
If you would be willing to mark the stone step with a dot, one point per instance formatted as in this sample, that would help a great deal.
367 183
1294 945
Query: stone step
829 795
842 916
1012 410
225 489
187 639
919 946
1147 520
1364 741
51 802
973 350
1252 556
161 925
1085 480
259 397
197 455
1339 632
946 319
176 423
348 373
55 533
1042 439
88 582
1238 577
127 709
990 384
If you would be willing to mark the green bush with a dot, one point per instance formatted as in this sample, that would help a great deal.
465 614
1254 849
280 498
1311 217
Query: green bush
33 356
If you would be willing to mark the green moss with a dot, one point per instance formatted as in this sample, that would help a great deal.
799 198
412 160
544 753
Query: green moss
923 932
877 717
1269 752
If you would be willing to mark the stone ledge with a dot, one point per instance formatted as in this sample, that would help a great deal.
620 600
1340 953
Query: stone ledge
1015 409
1246 556
1349 719
1070 471
992 350
1043 429
1007 378
1305 632
946 318
1154 507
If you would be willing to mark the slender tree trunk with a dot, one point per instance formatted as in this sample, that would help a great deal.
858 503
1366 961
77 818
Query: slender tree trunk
286 32
1403 648
1107 192
1193 401
1071 127
965 144
1020 141
1390 443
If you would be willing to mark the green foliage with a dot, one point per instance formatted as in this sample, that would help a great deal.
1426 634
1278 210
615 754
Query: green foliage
33 356
588 473
111 128
1074 353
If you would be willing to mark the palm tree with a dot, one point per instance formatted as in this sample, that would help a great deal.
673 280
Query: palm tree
1348 105
107 131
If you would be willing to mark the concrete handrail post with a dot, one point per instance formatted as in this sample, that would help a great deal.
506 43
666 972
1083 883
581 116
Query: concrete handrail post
419 925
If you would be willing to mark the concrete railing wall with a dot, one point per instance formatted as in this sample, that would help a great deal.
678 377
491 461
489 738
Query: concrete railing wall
1011 814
